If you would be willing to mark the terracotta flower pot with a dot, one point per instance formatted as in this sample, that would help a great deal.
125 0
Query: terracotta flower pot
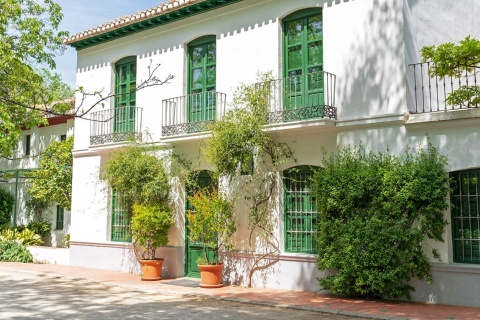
211 275
152 269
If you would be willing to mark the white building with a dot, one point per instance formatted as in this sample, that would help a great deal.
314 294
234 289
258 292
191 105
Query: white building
33 141
357 53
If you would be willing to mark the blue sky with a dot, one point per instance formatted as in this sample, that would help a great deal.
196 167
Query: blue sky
79 15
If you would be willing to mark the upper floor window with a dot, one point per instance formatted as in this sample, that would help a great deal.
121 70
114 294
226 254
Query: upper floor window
125 94
465 197
27 144
202 79
303 62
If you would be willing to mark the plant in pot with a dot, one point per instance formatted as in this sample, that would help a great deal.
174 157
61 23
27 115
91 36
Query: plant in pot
150 225
212 223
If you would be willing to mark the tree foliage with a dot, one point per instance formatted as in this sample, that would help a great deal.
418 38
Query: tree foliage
239 139
53 181
138 175
6 206
376 212
29 41
456 61
210 222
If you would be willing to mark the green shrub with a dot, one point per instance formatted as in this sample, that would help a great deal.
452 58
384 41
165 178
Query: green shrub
26 237
376 210
66 241
11 251
6 205
150 226
41 228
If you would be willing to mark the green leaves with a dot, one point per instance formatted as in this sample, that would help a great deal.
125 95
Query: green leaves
6 205
376 211
53 181
28 41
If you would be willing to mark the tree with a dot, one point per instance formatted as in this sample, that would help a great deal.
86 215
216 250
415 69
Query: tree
376 210
28 40
52 182
456 61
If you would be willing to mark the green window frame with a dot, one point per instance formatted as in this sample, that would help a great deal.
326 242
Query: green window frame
59 218
300 210
303 63
125 94
121 216
202 79
28 140
465 210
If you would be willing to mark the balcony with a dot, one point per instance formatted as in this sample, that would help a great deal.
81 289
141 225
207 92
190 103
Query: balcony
458 91
116 125
299 98
191 113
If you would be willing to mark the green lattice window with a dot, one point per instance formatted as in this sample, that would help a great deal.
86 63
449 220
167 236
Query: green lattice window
120 219
125 90
301 214
303 62
202 78
465 197
60 218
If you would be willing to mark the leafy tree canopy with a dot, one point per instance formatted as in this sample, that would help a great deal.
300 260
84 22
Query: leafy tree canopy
53 181
29 41
376 211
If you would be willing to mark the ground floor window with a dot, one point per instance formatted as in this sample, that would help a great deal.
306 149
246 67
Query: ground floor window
121 216
465 196
60 218
301 216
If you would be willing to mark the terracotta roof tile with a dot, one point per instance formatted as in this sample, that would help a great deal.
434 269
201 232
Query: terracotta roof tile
156 11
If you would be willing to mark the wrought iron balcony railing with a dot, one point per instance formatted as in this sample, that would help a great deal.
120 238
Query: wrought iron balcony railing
115 125
301 97
459 90
191 113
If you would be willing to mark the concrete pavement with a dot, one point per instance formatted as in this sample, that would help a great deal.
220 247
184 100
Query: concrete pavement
272 297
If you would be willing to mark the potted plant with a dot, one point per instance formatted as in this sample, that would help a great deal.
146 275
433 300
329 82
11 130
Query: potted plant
150 225
211 222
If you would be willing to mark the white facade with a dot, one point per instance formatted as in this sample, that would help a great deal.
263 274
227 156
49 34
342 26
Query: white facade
40 138
368 45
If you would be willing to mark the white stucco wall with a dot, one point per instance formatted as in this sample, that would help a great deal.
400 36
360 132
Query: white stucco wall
368 45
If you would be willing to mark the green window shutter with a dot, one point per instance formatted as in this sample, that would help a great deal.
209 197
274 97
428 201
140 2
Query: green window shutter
301 216
303 64
120 231
125 90
28 139
202 78
465 198
60 218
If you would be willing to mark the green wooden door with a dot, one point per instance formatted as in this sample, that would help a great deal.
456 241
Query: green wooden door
125 84
193 250
202 80
303 61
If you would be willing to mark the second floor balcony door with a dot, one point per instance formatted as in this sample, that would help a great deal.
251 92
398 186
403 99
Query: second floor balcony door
303 61
202 79
125 90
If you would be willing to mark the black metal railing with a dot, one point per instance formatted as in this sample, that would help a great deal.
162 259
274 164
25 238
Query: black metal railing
459 90
115 125
302 97
191 113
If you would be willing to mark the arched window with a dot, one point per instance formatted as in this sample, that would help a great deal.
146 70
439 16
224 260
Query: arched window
125 91
303 64
300 210
202 79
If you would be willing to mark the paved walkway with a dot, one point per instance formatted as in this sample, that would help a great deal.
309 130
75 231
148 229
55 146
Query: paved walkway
281 298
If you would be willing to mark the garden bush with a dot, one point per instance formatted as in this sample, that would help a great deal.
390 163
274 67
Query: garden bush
6 205
41 228
376 211
11 251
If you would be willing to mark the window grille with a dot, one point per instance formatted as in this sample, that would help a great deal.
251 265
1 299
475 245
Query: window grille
301 216
121 216
465 216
